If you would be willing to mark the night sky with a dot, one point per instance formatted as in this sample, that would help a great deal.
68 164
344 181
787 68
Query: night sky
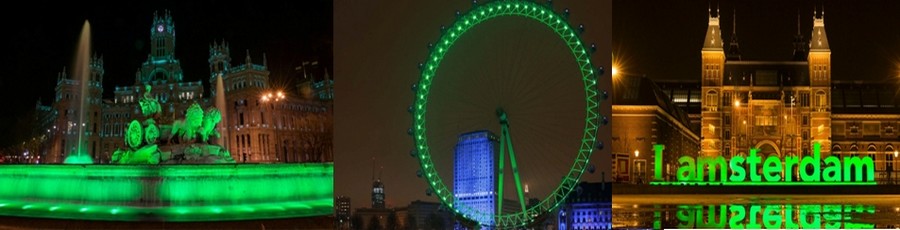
662 39
510 62
41 38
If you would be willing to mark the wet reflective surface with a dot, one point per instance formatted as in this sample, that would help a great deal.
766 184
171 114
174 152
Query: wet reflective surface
756 211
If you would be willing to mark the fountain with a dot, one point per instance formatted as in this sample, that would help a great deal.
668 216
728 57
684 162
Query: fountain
166 172
82 73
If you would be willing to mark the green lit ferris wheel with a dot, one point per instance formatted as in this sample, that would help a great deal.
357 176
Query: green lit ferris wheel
557 22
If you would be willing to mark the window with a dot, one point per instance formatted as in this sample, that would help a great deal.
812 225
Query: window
821 102
804 99
712 101
766 120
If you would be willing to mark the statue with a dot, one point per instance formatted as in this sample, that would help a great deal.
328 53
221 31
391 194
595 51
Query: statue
187 128
208 126
141 137
149 105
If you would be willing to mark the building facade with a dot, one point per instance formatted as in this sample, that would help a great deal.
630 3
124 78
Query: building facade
287 128
779 107
474 180
342 212
643 115
589 207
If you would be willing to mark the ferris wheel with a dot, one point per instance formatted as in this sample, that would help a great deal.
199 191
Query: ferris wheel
593 95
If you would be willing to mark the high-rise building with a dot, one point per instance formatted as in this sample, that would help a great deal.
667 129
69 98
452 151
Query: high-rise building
287 128
342 212
474 180
378 194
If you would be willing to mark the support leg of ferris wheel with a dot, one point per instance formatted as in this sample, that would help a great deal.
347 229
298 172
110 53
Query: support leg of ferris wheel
506 143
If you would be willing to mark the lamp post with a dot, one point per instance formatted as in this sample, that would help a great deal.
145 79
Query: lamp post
275 98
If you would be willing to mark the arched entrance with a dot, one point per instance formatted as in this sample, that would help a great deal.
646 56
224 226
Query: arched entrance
767 148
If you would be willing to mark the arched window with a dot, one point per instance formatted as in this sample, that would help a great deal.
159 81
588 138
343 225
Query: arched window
712 100
821 101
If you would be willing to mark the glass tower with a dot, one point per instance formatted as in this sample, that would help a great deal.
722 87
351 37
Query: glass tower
474 183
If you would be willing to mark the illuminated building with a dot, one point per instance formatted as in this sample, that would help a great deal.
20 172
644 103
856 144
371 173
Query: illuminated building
377 194
290 129
342 212
780 107
588 207
474 177
644 115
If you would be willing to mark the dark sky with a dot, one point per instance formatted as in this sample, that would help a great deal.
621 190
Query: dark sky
662 39
41 38
511 62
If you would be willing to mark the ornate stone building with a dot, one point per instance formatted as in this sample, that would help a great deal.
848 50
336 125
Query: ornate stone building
779 107
288 127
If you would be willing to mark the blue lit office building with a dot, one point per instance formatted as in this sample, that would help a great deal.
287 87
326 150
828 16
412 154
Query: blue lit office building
473 173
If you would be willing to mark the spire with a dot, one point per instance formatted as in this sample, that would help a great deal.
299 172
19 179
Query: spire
734 50
265 61
818 40
713 39
734 21
798 21
248 61
800 44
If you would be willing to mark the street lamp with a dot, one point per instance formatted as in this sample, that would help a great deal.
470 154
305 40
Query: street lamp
637 153
895 153
274 98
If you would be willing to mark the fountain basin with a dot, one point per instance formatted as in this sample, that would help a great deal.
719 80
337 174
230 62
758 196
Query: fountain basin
209 192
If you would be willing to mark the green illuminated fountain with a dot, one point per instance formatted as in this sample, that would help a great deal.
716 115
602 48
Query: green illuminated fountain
82 73
166 172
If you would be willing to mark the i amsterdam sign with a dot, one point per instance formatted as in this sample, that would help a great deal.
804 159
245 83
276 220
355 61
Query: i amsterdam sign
812 170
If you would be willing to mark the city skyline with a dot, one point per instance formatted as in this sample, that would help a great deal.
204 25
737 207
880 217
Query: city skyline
288 34
380 89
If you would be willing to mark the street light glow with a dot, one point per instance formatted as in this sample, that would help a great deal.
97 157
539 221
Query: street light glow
637 153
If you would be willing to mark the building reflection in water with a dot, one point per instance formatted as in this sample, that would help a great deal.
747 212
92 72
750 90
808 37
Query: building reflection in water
756 216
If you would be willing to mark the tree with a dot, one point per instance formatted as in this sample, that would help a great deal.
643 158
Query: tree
374 223
316 137
393 223
411 222
356 222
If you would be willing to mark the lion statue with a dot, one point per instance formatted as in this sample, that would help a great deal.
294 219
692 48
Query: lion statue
208 126
187 128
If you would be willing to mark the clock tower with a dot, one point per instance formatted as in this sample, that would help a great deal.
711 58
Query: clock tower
162 36
161 65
